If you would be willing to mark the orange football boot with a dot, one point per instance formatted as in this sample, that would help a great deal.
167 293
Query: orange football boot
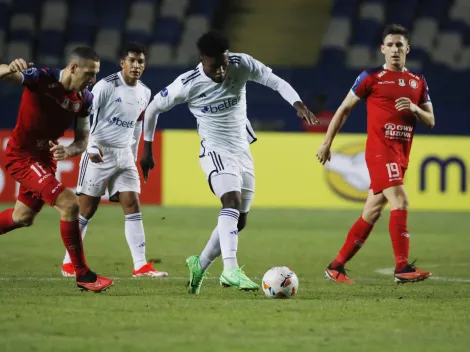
100 284
411 274
338 275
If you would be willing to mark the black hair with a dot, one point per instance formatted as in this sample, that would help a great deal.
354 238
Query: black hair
395 29
84 53
212 44
133 47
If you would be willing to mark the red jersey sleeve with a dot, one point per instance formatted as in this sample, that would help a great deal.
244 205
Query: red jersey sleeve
362 86
424 97
87 104
33 76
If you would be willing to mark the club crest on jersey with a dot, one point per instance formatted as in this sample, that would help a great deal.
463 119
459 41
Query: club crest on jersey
401 82
413 84
77 106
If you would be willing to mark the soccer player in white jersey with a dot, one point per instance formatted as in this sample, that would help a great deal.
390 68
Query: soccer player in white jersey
119 102
215 92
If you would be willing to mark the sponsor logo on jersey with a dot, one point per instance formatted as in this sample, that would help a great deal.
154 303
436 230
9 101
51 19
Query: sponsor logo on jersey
164 92
403 132
386 82
412 75
224 105
121 123
118 100
381 74
413 83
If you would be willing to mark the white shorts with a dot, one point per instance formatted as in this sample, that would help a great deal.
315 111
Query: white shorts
117 171
227 173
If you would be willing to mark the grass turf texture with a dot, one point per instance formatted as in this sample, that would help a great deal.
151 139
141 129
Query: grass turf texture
41 311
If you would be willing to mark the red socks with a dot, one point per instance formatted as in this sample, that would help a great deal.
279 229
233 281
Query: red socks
400 237
70 232
357 236
6 221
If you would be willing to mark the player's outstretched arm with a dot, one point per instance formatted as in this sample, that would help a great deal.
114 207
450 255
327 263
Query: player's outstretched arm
348 104
12 72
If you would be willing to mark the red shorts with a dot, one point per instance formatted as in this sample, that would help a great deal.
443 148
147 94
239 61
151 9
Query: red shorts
385 175
36 177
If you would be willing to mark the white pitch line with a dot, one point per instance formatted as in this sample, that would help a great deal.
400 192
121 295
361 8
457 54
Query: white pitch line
390 271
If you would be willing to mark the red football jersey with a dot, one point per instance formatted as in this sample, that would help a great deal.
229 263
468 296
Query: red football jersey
46 110
389 131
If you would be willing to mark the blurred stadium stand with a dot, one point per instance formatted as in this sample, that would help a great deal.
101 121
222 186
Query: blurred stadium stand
46 30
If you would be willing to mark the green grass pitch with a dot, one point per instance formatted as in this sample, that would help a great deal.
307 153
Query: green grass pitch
41 311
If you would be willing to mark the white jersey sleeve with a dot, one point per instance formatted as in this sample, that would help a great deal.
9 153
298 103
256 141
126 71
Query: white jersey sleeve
176 93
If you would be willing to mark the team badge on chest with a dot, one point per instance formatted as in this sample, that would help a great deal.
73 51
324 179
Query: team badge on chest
413 84
77 106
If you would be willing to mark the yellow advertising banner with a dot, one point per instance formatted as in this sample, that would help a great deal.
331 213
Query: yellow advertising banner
288 174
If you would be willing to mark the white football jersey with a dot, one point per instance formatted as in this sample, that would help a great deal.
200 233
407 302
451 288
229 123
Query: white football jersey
220 108
116 109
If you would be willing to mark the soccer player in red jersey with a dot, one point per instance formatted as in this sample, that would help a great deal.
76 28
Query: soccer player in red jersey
395 99
52 100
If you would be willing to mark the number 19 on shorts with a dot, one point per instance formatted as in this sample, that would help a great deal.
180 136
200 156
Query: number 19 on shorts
393 171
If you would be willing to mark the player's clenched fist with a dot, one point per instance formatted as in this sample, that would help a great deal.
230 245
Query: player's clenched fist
19 65
324 154
58 151
403 104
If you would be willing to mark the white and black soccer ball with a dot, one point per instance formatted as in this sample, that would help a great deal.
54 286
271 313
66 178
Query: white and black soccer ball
280 282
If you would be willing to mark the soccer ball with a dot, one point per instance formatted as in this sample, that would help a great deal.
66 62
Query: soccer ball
280 282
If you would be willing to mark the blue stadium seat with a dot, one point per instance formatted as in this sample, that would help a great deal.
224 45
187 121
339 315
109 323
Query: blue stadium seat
331 57
80 35
82 13
203 7
344 8
50 43
26 6
138 36
367 33
4 15
168 30
434 8
21 36
397 14
115 18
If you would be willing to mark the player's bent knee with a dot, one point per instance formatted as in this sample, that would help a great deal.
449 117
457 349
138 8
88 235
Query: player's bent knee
23 219
231 200
130 202
372 215
67 204
88 206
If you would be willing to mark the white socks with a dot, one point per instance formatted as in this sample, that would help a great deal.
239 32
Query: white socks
211 251
83 224
228 236
135 237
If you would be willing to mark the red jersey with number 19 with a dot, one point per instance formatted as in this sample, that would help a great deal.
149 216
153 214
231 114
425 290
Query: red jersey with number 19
389 131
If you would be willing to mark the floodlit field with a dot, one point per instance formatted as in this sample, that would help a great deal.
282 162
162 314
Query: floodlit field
41 311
